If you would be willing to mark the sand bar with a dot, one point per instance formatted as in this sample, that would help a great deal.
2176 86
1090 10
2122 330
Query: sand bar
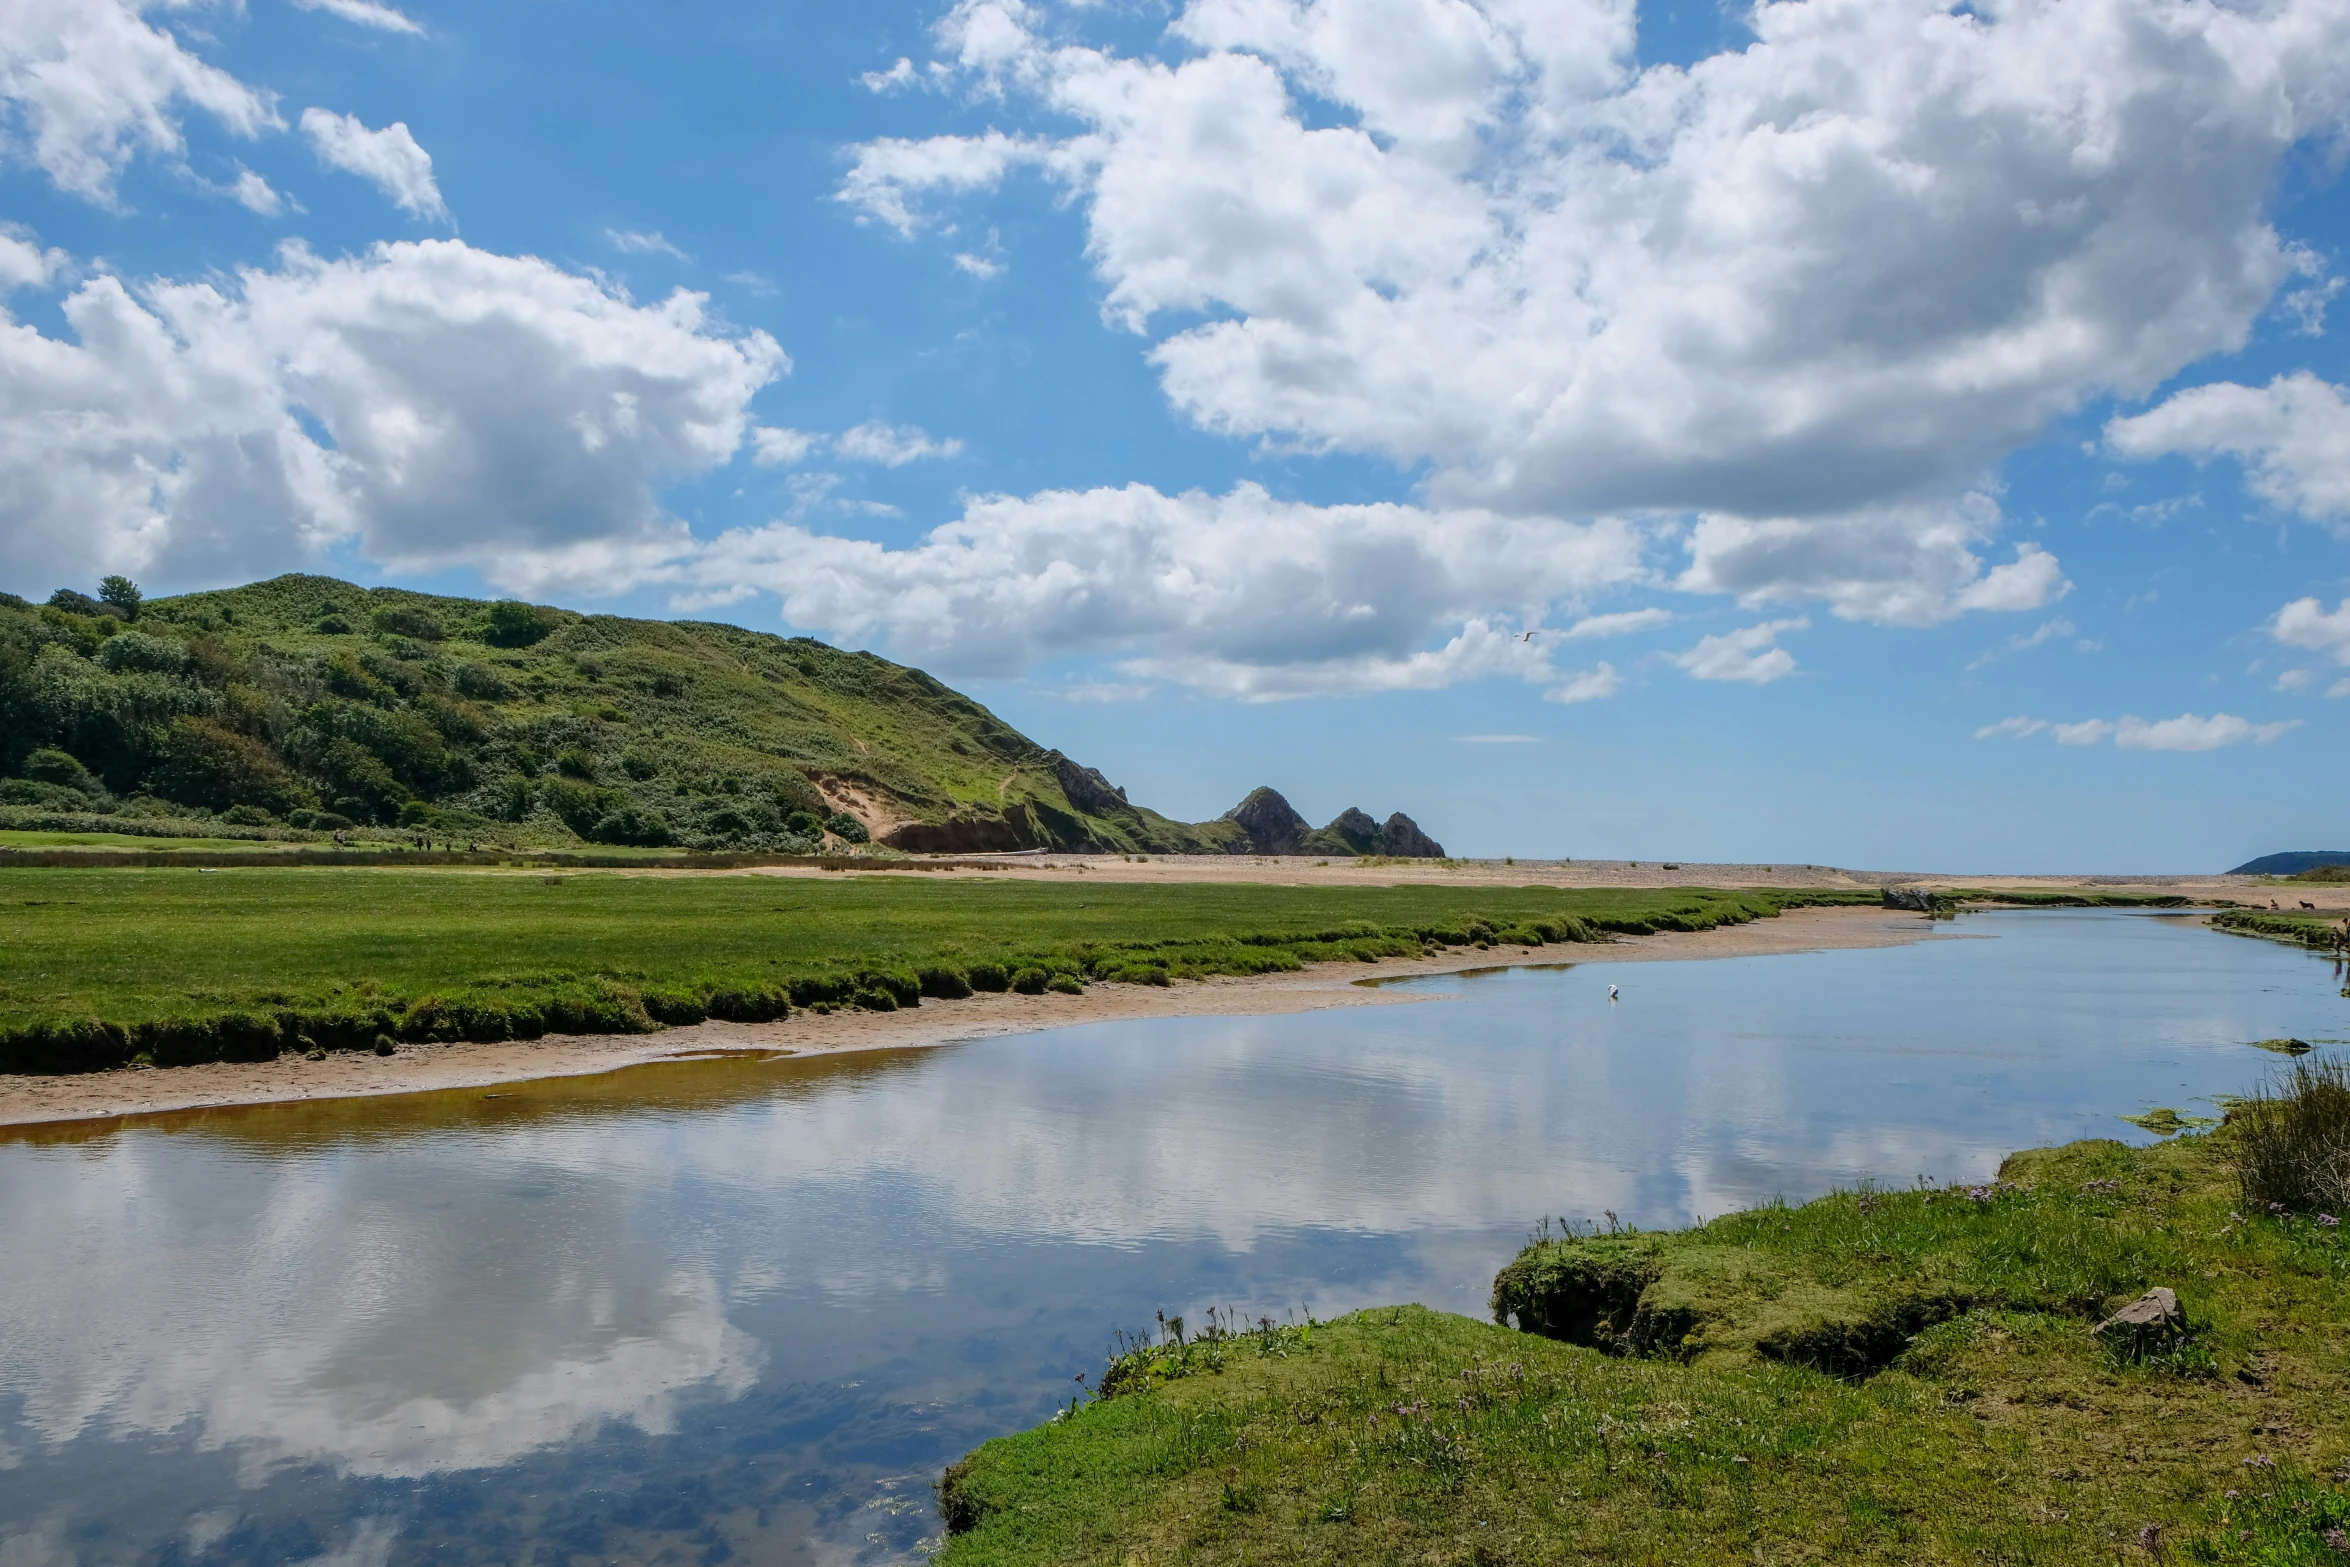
32 1100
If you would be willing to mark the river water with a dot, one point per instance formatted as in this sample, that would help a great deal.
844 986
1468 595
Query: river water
747 1309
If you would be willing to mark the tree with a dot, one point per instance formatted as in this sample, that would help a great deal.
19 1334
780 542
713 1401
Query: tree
123 594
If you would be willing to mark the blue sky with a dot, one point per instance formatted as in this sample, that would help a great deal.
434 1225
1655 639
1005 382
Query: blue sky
1273 367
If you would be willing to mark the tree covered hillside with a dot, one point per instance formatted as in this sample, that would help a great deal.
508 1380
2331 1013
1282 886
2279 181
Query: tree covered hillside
315 704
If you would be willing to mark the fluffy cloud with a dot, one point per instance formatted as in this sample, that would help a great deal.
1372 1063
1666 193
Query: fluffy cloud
1901 565
1812 289
390 158
365 13
1751 655
2187 732
86 84
2304 623
476 409
2292 436
1238 594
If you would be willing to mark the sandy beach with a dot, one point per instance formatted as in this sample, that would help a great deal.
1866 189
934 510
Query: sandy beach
32 1100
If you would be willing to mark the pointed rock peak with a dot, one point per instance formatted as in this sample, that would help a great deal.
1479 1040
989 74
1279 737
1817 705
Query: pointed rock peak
1401 836
1272 823
1356 830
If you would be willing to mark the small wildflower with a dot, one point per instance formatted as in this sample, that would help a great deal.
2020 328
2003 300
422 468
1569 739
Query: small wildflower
2326 1221
2232 1493
2260 1461
2338 1541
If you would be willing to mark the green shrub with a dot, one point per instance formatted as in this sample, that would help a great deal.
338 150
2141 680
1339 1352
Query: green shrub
875 999
1065 984
990 977
61 768
517 625
1031 981
407 620
944 984
847 828
384 1045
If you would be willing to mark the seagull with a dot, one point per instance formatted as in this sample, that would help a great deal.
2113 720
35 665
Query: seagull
1528 636
1611 992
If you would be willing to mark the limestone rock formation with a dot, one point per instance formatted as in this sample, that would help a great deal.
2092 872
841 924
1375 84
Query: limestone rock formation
1271 823
1401 836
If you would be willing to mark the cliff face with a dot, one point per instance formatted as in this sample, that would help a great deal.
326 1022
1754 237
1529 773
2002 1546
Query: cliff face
1269 824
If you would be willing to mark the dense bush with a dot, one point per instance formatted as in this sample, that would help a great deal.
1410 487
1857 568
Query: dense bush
991 977
846 827
517 625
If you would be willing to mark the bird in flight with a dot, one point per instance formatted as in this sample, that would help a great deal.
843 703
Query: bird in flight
1528 636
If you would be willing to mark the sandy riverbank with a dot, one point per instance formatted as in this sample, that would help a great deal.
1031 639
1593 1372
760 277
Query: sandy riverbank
33 1100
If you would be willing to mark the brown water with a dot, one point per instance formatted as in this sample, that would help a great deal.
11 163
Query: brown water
739 1308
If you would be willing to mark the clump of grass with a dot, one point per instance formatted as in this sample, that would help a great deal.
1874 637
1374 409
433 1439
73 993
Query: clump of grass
2290 1140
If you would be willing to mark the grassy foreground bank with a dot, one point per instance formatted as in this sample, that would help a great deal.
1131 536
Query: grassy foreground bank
102 967
1894 1377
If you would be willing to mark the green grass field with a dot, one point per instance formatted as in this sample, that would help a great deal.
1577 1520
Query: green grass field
138 845
91 958
1992 1428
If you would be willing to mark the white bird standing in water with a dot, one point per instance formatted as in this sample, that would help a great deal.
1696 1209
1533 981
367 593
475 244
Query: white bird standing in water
1611 992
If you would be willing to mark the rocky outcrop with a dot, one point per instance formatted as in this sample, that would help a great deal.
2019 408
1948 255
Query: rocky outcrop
1401 836
1271 823
1086 788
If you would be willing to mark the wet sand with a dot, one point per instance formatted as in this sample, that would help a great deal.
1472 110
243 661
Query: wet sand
33 1100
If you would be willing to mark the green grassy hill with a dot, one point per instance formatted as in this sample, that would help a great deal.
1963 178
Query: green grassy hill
312 704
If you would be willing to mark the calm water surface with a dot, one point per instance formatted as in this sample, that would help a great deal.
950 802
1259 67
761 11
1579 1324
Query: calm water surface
732 1309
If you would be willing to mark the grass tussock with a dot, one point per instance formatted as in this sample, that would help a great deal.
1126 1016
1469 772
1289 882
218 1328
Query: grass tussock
2290 1141
99 968
1880 1377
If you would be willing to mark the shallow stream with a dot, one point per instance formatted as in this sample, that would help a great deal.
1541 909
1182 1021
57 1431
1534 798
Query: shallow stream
744 1309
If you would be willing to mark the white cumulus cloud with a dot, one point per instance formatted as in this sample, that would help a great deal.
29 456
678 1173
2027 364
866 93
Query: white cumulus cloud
471 409
85 85
2292 436
1752 654
1811 290
1238 594
2305 623
390 158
